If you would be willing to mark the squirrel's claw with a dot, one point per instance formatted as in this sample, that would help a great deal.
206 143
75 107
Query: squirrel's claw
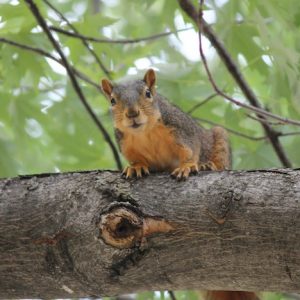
135 171
183 172
208 166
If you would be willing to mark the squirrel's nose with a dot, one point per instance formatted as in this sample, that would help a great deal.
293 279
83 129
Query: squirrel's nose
132 113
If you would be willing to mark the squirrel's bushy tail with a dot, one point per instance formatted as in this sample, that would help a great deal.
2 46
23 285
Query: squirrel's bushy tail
230 295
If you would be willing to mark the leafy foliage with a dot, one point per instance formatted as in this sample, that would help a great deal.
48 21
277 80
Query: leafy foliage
44 127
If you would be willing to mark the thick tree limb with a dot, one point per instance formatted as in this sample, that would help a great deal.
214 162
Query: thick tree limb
94 233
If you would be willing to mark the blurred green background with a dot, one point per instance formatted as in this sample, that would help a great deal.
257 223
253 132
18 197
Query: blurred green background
44 127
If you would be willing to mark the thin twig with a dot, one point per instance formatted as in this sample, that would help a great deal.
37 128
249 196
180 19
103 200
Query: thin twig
35 11
281 134
208 98
86 44
116 41
33 49
263 120
235 132
249 137
255 106
48 55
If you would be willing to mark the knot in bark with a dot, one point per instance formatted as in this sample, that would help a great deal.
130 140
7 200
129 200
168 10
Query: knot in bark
125 228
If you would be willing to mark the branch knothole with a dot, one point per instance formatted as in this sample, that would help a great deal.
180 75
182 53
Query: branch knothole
124 228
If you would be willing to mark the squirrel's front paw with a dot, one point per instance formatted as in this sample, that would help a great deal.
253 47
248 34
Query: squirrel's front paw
183 172
137 170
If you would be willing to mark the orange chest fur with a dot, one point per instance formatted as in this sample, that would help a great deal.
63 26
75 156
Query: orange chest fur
156 147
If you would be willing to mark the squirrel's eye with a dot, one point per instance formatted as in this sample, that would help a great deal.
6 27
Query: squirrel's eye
113 101
148 94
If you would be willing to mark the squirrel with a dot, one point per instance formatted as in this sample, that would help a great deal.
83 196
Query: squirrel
155 135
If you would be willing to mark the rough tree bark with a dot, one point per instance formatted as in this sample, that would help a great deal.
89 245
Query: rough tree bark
93 233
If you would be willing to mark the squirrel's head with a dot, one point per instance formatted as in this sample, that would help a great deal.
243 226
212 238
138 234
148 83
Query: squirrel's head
133 104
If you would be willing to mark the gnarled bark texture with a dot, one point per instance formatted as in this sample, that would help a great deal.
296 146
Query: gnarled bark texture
95 234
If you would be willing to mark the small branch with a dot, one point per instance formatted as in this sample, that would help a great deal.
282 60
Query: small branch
190 10
229 129
202 103
172 295
255 106
116 41
249 137
48 55
33 49
280 134
263 120
35 11
85 43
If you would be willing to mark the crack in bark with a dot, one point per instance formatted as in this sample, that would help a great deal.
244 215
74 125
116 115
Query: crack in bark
58 264
51 261
119 268
288 272
52 240
65 255
119 196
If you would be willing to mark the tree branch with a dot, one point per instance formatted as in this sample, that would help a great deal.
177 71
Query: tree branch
47 54
95 234
283 134
116 41
263 120
172 295
235 132
255 106
203 102
35 11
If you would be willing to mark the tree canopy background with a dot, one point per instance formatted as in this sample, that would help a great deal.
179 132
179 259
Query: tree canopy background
45 128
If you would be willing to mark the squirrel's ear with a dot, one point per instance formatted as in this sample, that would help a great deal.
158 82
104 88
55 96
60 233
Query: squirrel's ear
149 78
107 87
